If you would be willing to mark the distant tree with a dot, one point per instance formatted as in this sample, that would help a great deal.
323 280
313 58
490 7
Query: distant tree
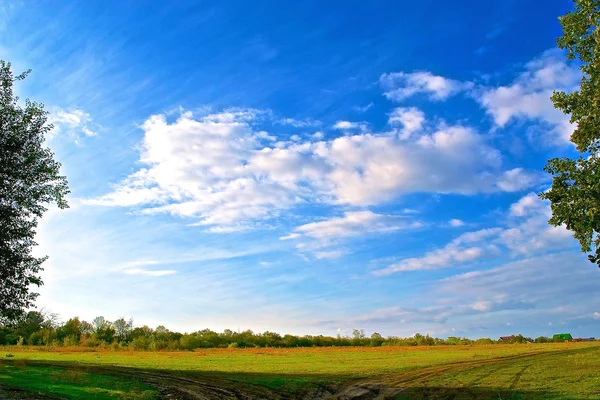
575 192
376 339
122 328
519 339
70 330
51 320
30 324
376 336
161 330
29 180
103 329
358 334
86 328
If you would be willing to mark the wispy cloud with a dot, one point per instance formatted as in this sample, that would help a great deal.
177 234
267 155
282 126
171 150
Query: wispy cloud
148 272
72 122
399 86
348 125
456 223
354 223
365 108
528 96
526 233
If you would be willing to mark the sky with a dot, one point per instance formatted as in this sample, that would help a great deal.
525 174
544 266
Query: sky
306 167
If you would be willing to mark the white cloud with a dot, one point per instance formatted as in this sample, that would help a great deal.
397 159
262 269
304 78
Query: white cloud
401 85
196 168
140 263
525 293
330 254
455 223
323 238
518 179
72 122
525 204
347 125
220 171
527 233
448 256
528 96
410 118
147 272
540 282
369 169
364 108
290 236
297 123
354 223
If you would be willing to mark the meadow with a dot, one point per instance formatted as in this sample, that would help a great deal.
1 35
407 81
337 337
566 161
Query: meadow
517 371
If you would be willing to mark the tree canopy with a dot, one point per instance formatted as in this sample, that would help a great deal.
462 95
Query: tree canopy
29 181
575 192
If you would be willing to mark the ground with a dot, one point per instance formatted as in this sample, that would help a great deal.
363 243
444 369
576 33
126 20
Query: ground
566 371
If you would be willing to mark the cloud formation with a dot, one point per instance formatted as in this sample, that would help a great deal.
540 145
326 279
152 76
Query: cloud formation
228 175
399 86
411 120
527 233
72 122
528 96
148 272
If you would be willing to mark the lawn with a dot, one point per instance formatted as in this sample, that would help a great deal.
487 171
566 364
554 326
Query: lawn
534 371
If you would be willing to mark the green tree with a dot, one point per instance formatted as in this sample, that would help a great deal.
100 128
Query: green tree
29 324
575 192
123 329
29 180
103 329
70 330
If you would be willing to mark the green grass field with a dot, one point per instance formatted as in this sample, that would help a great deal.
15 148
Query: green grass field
71 383
535 371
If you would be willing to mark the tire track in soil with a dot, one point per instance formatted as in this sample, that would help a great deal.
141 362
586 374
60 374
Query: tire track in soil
396 383
517 377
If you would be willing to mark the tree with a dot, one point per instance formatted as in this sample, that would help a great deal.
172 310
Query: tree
103 329
71 330
575 192
29 324
123 328
29 180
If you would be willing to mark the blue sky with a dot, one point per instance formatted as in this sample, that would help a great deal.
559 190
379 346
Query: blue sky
306 167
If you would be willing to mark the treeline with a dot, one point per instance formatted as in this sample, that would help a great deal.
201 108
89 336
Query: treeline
39 329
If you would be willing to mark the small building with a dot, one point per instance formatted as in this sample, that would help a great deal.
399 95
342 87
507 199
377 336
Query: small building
507 339
589 339
562 337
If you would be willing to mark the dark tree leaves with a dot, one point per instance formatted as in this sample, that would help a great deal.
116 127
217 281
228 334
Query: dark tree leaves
29 181
575 192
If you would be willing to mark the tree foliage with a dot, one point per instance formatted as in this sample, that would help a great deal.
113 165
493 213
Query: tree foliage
29 180
575 192
42 329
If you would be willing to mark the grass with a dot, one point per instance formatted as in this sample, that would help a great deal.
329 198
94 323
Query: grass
71 383
537 371
350 362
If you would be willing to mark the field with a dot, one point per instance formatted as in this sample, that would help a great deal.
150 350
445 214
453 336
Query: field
535 371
